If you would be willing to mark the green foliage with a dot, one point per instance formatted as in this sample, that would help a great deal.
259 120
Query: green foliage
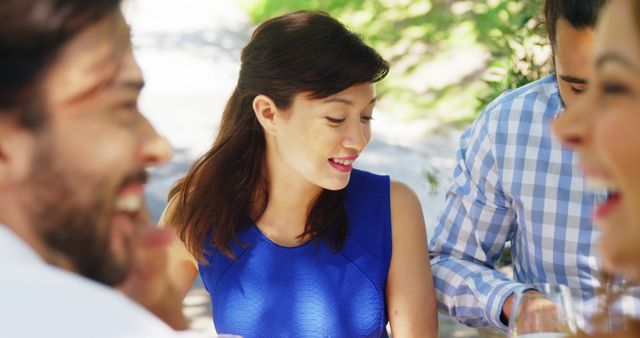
449 58
513 33
431 176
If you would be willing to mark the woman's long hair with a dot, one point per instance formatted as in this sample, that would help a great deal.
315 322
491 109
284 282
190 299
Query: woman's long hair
302 52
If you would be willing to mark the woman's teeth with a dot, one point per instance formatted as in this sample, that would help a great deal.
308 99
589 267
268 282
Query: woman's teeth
600 184
342 162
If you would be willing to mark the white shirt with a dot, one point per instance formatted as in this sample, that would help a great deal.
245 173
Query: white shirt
39 300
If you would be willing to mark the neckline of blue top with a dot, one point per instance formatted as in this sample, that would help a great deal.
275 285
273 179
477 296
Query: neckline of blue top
256 231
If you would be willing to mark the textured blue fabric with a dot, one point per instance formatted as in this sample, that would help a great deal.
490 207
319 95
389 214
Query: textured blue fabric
309 290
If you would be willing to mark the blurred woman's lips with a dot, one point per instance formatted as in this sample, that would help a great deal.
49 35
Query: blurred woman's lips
597 183
600 180
595 172
597 178
611 204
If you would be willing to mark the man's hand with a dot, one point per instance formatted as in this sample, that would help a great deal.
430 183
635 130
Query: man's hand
536 313
507 309
149 284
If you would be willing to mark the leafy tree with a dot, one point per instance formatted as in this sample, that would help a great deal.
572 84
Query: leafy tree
417 35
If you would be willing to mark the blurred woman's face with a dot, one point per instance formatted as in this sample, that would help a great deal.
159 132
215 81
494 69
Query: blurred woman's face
604 128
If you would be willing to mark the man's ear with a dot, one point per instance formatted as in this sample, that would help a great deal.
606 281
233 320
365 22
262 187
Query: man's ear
17 145
266 112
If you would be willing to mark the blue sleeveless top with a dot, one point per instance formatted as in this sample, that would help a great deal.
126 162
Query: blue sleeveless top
309 290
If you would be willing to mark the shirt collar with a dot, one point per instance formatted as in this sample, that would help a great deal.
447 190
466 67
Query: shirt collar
556 96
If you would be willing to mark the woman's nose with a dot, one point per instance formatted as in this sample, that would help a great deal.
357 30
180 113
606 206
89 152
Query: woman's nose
572 125
357 136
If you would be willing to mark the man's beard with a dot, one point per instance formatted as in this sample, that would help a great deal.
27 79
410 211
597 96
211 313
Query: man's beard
79 230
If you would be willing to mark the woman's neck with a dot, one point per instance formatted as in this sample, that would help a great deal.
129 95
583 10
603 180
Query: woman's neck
290 198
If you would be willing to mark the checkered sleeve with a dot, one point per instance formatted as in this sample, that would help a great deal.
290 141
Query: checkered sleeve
471 233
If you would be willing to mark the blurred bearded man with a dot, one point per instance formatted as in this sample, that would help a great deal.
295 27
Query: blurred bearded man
73 153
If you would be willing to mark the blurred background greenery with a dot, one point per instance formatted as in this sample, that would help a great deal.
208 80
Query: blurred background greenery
449 58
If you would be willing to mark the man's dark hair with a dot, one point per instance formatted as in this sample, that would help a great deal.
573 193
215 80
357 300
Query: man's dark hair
32 33
579 13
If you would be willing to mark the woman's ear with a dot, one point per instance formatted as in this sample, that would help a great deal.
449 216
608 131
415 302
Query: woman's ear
266 112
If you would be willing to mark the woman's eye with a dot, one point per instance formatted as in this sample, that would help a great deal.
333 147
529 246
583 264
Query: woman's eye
334 120
577 90
126 113
130 105
614 88
366 119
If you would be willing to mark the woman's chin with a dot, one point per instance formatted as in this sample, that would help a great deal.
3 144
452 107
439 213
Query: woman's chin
336 184
626 264
335 187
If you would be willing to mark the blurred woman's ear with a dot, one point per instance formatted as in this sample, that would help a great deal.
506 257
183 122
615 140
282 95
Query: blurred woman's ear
265 110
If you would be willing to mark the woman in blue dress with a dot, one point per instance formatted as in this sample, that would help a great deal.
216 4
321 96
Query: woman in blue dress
289 239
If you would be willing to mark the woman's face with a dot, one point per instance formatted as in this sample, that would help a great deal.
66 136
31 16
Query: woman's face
317 140
604 128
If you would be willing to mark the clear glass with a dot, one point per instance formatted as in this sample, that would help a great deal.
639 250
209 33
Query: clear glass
615 303
543 311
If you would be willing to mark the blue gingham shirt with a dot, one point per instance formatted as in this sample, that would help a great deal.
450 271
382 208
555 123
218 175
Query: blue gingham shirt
513 181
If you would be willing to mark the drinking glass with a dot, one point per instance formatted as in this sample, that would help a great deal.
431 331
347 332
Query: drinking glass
543 311
614 303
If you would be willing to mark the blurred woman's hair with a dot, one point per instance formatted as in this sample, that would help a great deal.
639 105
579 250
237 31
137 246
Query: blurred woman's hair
302 52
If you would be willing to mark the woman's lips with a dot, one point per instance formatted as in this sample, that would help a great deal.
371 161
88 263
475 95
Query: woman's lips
599 180
606 208
343 164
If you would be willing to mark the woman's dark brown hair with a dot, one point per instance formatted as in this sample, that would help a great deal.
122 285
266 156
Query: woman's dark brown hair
303 52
